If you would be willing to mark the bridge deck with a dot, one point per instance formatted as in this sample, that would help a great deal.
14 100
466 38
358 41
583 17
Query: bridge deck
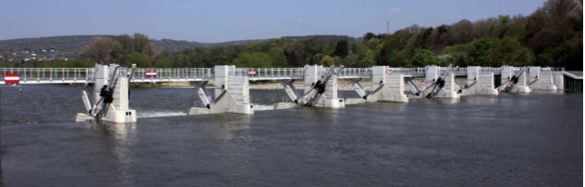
140 75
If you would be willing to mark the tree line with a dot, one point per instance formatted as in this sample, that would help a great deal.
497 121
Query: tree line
551 36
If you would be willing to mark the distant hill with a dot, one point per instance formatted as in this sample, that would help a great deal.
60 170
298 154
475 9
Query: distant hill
74 44
325 38
178 45
65 44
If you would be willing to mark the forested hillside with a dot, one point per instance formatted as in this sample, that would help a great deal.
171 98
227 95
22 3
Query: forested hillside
551 36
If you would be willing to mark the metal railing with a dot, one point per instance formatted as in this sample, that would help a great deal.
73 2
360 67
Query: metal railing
270 73
50 75
295 73
172 74
556 69
408 71
86 75
355 73
491 69
456 71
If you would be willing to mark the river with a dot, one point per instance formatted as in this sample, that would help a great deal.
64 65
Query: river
508 140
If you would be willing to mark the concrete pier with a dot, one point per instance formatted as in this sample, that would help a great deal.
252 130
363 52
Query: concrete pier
232 93
541 79
447 91
110 78
507 78
478 82
315 74
388 86
119 111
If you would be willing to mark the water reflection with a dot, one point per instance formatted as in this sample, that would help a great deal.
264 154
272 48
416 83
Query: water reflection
319 116
444 101
233 132
117 138
400 107
119 132
229 125
479 100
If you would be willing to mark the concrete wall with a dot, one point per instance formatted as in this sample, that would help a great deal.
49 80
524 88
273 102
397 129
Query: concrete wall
559 80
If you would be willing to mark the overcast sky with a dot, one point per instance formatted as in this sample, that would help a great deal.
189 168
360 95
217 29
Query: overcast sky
223 20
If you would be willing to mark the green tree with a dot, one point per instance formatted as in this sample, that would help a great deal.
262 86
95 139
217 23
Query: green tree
327 61
368 36
341 49
424 57
73 63
278 59
479 52
457 54
141 60
351 60
508 51
570 54
490 52
366 58
253 59
463 31
182 60
104 51
125 42
163 61
402 58
140 42
295 53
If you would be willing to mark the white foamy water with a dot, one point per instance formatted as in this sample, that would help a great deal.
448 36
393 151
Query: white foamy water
154 114
258 107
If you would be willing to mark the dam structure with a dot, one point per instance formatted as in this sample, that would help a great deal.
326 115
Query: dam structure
231 85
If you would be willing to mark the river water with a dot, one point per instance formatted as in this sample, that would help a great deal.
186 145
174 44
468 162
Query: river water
510 140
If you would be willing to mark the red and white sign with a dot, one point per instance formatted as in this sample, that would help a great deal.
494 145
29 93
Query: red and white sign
151 73
251 72
11 78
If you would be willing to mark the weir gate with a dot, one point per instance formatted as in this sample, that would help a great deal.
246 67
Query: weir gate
320 84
